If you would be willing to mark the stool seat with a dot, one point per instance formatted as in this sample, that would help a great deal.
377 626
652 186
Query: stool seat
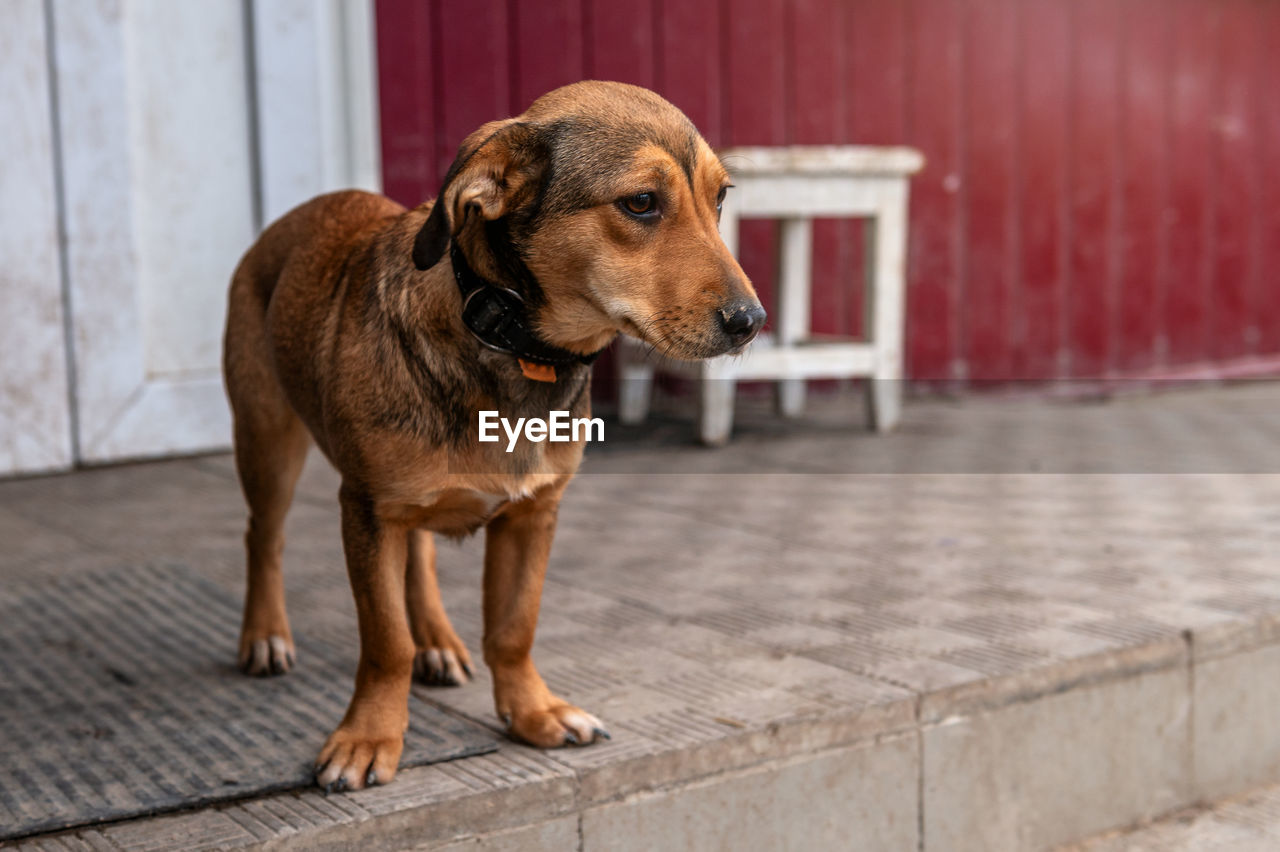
795 185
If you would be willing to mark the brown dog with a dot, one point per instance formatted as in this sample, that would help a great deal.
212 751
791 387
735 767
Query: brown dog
380 333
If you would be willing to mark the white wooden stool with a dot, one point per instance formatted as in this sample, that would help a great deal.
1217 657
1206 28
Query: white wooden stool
796 185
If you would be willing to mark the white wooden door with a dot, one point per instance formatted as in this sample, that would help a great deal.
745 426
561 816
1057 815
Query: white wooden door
35 414
159 203
175 127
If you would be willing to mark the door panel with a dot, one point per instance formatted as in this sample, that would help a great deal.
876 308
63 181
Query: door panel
155 128
35 417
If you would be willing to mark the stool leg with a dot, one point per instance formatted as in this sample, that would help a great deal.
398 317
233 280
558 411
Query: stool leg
635 385
885 312
715 409
789 397
884 404
795 264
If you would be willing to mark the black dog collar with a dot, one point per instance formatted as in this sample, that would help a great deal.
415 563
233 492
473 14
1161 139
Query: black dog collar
497 317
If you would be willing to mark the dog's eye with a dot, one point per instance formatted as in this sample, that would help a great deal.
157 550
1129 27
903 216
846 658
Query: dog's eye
724 190
642 204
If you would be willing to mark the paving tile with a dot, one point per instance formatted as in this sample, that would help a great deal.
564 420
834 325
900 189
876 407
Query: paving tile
555 835
1249 822
1038 773
427 806
855 798
206 829
1203 835
1237 721
82 841
26 540
676 746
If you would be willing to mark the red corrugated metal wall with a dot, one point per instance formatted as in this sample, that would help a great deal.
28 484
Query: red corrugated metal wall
1102 195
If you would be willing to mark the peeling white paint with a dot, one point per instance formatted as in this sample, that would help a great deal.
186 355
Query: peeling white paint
165 165
35 418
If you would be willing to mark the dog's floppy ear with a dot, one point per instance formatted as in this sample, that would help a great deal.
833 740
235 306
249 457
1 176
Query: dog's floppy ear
496 170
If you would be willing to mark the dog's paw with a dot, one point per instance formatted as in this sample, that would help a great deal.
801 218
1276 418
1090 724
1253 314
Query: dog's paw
351 761
443 666
270 655
558 725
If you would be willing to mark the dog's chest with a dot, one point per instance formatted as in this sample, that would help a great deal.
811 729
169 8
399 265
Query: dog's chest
466 503
459 511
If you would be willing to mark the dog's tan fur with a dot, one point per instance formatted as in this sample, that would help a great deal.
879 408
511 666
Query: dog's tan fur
335 336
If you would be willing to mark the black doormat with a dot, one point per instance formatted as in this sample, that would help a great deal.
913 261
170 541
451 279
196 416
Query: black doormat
119 698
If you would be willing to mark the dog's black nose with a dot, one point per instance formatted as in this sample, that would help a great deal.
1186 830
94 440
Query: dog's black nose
741 321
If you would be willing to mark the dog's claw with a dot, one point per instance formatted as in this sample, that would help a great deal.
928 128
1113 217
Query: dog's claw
506 720
559 725
269 657
441 667
371 778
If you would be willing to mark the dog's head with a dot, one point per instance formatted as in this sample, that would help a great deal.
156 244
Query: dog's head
600 205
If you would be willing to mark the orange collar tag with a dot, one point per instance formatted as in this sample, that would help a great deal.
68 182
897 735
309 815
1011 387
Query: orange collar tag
537 372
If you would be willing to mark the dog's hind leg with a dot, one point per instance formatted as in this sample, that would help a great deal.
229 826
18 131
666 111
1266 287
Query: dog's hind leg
440 658
271 445
268 472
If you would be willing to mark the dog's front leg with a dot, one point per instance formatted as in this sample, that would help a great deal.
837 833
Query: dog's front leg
517 545
365 748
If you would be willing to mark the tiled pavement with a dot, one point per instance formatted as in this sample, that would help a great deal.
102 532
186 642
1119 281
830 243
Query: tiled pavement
1064 618
1248 823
